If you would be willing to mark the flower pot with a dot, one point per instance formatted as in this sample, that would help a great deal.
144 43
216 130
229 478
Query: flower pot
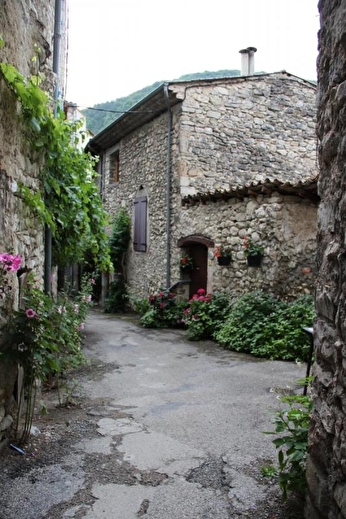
222 260
254 261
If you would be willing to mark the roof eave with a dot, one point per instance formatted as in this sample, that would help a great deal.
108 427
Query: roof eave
141 113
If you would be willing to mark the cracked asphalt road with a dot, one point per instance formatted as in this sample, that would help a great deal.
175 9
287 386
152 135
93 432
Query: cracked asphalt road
162 428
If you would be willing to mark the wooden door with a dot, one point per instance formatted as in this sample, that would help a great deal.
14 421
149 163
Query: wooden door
199 255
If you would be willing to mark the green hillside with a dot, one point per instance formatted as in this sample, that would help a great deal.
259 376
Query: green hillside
103 114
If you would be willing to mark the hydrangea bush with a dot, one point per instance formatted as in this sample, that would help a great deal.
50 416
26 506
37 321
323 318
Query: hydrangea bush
165 311
205 314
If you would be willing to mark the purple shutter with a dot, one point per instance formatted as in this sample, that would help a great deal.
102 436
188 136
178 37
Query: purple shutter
140 229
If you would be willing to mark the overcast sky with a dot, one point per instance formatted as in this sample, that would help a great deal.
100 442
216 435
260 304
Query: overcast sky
119 46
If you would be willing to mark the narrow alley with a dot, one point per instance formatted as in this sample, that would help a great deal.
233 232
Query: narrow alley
159 428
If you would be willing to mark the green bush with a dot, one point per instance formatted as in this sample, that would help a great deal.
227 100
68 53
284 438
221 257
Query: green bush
47 333
281 333
292 427
120 239
164 312
205 314
139 305
44 338
116 299
244 323
267 327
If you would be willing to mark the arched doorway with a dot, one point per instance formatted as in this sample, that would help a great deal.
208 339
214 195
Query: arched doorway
197 248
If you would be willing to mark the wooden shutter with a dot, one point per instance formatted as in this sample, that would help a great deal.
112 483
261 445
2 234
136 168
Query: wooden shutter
140 228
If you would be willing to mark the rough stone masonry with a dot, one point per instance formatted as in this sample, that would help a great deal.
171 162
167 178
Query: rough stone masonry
23 25
327 462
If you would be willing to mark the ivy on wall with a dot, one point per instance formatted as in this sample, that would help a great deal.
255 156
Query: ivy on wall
68 201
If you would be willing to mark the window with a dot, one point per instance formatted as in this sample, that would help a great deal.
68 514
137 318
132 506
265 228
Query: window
140 224
114 167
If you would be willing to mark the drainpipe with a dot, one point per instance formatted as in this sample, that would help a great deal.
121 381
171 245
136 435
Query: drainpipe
56 66
168 187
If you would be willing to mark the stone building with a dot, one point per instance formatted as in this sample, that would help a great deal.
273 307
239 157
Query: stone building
326 471
205 162
24 26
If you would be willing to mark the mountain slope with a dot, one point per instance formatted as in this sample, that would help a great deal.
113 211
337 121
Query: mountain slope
101 115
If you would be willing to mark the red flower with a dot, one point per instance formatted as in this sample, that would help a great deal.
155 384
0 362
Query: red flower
201 291
162 305
217 253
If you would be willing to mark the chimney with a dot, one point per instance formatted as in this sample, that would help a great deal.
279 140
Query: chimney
248 61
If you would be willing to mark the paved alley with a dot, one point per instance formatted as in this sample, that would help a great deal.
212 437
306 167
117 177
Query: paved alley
163 428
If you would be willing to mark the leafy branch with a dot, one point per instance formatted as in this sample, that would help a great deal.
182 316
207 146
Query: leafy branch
68 200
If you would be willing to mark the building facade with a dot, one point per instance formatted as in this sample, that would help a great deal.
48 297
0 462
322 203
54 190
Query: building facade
203 163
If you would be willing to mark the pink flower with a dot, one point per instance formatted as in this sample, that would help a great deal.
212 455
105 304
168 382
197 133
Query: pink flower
76 309
81 327
89 298
161 294
201 291
92 281
10 263
16 263
201 298
162 305
151 298
30 313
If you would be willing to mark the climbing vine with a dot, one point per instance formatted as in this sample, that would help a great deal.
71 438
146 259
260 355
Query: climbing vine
119 240
68 200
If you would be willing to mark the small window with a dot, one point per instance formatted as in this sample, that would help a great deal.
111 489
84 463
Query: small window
114 164
140 224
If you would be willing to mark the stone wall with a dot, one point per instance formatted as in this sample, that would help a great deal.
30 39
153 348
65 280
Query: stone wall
214 152
142 166
246 130
285 225
327 462
23 25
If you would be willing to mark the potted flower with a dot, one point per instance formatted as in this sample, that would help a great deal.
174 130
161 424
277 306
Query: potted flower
186 262
223 255
252 252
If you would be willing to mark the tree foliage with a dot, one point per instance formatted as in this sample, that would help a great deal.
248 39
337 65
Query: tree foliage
118 243
68 200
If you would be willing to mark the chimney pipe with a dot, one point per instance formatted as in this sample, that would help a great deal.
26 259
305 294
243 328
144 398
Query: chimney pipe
248 61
